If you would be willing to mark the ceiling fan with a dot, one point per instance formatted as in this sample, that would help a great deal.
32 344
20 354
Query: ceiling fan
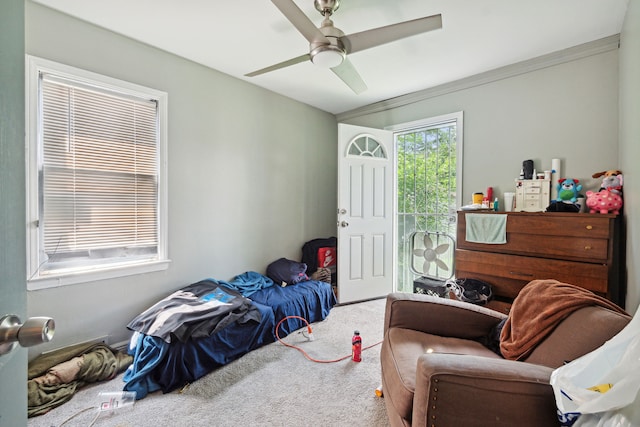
329 46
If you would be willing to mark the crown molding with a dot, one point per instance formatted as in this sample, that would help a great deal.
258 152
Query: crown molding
562 56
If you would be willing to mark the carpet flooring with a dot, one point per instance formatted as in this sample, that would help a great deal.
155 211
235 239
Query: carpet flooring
272 386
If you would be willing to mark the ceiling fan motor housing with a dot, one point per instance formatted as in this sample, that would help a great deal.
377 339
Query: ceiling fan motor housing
326 6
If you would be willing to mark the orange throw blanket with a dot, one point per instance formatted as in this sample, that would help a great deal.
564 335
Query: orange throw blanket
536 311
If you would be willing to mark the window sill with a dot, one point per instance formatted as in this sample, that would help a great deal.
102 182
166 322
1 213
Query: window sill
95 275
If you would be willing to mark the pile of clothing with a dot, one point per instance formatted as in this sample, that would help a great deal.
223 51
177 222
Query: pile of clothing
55 377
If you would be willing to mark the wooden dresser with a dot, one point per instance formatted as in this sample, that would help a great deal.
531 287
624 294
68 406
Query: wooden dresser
582 249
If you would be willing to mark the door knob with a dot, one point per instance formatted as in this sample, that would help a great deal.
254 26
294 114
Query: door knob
344 224
36 330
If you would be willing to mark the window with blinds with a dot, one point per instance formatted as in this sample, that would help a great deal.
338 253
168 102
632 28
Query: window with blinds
98 176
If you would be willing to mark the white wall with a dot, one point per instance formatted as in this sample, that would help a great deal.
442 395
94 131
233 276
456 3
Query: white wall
630 144
252 175
567 111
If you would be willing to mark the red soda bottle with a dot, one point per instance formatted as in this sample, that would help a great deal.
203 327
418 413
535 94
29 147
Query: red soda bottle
356 347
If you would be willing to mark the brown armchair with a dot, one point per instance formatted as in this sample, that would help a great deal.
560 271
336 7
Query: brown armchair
438 368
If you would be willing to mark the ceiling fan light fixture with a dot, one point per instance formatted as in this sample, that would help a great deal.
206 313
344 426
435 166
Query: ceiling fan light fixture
327 56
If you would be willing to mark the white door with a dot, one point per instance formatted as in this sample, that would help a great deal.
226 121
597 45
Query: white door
365 213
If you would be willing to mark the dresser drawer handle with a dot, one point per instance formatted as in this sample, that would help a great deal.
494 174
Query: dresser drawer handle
587 248
589 227
517 273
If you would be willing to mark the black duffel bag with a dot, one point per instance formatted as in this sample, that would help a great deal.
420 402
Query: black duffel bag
474 291
470 290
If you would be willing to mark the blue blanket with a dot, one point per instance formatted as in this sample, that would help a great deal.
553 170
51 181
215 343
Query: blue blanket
248 283
312 300
158 365
162 366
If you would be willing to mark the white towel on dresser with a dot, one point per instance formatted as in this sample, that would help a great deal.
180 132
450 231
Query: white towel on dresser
486 228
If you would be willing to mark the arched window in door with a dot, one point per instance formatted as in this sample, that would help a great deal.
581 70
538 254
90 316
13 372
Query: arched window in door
366 146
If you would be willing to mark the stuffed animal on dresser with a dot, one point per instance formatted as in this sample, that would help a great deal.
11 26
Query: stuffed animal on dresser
568 190
604 202
608 199
611 180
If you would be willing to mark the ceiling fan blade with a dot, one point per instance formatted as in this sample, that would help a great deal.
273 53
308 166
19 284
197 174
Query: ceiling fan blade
299 20
348 74
283 64
382 35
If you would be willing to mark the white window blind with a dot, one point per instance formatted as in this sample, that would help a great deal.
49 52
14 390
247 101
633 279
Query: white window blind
98 174
100 187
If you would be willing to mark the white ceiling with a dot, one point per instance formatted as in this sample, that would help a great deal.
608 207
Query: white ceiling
240 36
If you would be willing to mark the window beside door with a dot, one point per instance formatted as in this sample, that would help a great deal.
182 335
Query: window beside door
428 155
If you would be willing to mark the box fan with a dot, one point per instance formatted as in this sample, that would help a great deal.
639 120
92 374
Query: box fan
432 258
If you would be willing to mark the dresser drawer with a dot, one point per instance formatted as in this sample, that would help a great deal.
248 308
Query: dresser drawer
553 224
585 237
521 270
548 224
555 247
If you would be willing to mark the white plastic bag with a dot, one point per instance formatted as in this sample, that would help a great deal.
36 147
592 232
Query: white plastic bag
616 363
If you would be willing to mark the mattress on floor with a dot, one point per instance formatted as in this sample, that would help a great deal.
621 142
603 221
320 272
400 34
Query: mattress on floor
159 365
